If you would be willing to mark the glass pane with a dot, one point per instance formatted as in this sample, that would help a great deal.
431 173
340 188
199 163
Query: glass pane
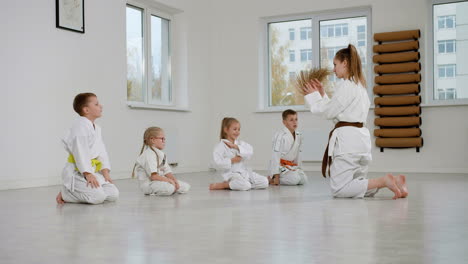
441 71
449 71
449 47
441 23
282 91
345 30
449 22
291 34
135 69
329 46
159 80
447 53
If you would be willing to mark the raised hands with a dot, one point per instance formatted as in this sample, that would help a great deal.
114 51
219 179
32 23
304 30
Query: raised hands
313 86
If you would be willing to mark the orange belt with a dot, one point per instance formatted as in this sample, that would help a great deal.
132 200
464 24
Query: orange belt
287 162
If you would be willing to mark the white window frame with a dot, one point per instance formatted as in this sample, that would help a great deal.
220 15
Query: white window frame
316 17
150 9
429 93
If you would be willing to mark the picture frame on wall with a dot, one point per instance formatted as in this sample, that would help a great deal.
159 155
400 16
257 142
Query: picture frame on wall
69 15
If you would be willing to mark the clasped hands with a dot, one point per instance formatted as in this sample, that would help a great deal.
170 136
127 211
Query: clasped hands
313 86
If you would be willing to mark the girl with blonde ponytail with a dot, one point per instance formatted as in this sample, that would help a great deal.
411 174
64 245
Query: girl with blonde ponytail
348 152
152 169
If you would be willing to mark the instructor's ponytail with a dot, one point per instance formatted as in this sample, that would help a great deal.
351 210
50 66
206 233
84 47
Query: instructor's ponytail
351 55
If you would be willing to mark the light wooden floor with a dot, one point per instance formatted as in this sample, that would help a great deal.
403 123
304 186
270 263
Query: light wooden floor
284 224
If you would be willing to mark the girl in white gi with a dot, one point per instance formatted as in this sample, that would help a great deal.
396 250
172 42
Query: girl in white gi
349 150
152 169
230 156
285 162
86 176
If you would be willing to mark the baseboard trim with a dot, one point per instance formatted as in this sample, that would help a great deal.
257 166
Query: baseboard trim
10 184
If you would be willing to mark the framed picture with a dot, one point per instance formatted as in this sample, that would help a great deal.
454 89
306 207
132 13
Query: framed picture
69 15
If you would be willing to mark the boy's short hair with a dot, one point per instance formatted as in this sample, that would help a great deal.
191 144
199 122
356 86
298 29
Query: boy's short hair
287 113
80 101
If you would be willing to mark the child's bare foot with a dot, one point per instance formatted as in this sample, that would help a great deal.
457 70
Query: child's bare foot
401 183
59 198
273 180
219 186
391 184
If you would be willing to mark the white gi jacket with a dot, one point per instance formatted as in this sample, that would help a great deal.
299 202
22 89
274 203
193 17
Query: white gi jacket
150 162
222 156
84 142
350 103
285 147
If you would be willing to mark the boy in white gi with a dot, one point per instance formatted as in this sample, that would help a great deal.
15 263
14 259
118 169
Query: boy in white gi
349 148
152 168
285 162
86 176
230 156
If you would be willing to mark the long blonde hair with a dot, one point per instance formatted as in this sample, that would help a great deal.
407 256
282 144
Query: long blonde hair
150 132
351 55
226 123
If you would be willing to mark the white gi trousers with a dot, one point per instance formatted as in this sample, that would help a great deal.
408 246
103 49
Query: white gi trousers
293 177
86 194
246 181
161 188
349 176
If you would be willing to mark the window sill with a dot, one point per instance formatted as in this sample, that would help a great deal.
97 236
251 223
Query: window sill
297 108
157 107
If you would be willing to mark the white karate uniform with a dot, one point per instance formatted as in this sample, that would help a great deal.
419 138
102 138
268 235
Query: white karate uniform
349 147
84 142
239 176
154 161
286 147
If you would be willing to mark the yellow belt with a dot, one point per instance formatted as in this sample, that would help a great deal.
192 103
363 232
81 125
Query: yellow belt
94 162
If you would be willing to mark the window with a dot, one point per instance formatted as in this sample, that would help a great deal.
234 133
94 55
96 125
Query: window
283 63
450 71
451 93
441 93
361 35
328 46
291 34
446 22
148 57
447 46
306 33
292 56
447 71
306 55
334 30
317 48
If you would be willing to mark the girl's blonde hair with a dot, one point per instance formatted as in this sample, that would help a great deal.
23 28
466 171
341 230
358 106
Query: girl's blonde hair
351 55
150 132
226 123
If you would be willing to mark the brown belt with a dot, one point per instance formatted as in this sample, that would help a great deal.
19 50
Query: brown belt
327 161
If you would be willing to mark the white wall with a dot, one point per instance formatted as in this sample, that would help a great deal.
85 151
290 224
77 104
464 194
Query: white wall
43 67
445 130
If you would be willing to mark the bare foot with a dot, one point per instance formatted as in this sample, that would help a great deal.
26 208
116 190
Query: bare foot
391 184
401 183
219 186
59 198
274 180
